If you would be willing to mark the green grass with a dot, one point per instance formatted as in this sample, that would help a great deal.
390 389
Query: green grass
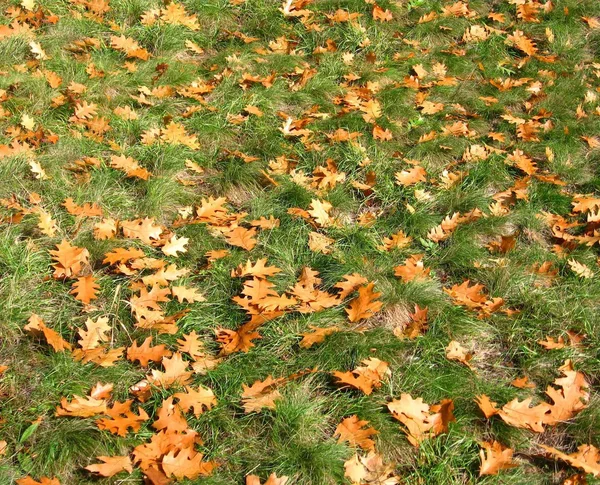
296 438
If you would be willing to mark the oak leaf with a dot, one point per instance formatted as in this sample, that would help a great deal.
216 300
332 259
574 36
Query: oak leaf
69 260
421 421
354 431
494 457
186 463
196 400
82 407
261 394
456 351
316 336
37 327
366 377
121 419
43 481
145 353
370 470
587 458
85 289
175 245
242 237
272 480
176 371
111 466
365 305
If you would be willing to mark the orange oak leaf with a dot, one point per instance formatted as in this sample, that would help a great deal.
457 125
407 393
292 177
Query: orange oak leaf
85 289
316 336
242 237
69 260
349 284
455 351
494 457
111 466
261 394
37 326
366 377
421 421
370 470
186 463
121 419
176 372
82 407
413 268
586 458
196 400
272 480
365 305
43 481
183 293
354 431
145 353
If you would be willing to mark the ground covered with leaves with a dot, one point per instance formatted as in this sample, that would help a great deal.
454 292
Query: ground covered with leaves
305 243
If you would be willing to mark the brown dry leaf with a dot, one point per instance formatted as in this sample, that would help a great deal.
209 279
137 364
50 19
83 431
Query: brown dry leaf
457 352
417 325
320 212
365 305
186 463
121 419
258 269
586 458
82 407
261 394
43 481
182 293
366 377
37 326
146 353
580 269
86 210
494 457
175 245
522 42
413 268
272 480
523 383
129 166
69 260
316 336
568 399
412 176
349 284
421 421
85 289
94 334
129 46
370 470
354 431
101 391
105 229
552 344
111 466
196 400
398 240
239 340
319 243
242 237
176 372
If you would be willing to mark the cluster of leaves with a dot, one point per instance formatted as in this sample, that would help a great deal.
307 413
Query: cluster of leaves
219 204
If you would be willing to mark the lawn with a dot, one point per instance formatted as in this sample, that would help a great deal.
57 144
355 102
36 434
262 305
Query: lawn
303 243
